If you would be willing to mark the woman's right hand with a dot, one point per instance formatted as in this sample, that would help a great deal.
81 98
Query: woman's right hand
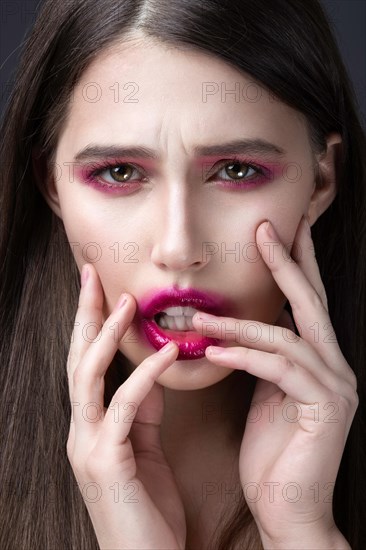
116 455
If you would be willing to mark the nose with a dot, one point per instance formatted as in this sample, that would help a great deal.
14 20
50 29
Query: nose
178 240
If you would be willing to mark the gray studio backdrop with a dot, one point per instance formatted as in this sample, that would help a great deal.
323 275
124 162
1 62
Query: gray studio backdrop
348 18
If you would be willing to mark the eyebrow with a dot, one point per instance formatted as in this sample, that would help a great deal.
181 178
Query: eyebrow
238 146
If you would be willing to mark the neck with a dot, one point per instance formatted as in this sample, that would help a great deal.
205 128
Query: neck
202 414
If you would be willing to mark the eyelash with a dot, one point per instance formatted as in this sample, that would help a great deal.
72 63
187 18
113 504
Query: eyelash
252 181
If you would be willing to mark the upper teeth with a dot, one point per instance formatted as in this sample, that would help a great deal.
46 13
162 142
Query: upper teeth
177 318
179 311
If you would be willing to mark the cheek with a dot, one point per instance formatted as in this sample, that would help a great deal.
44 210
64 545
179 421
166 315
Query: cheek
96 238
244 273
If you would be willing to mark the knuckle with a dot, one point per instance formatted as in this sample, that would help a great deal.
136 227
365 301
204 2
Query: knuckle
95 467
284 366
352 380
285 363
353 399
119 398
78 376
244 353
289 335
350 401
315 299
312 297
72 359
78 466
79 460
348 375
279 333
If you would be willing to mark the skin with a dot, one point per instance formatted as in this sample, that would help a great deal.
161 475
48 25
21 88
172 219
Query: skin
170 216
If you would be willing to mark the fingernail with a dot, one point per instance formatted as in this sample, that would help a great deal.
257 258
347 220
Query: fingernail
168 347
215 350
84 275
121 302
271 231
201 316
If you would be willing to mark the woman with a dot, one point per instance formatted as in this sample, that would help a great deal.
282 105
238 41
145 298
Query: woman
146 145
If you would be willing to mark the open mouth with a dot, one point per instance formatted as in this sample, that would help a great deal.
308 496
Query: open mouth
176 318
167 315
175 323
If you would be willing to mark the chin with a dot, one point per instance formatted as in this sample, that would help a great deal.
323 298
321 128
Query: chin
184 374
192 375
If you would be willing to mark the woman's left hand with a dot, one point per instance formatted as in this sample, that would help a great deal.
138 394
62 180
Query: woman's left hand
303 404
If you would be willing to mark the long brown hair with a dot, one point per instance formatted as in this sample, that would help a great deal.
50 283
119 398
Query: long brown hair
287 46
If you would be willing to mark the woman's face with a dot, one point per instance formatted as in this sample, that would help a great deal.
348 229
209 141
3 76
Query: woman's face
181 218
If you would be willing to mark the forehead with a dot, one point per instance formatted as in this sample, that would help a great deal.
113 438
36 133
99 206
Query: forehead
145 89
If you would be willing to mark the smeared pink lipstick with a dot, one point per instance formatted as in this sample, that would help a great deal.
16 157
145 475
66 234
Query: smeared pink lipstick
191 344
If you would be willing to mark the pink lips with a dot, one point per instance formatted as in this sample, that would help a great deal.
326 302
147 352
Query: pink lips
191 344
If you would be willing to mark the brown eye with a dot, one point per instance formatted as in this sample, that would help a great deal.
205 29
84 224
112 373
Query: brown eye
121 173
234 170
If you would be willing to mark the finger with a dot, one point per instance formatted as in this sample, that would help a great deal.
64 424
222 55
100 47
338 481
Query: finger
145 429
270 339
132 392
310 315
87 323
90 302
88 377
303 252
293 379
